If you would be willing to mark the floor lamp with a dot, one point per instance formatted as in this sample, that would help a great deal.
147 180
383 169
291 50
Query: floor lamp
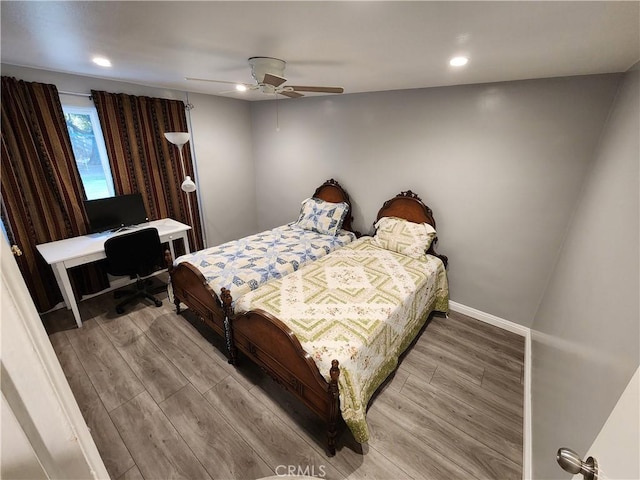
179 139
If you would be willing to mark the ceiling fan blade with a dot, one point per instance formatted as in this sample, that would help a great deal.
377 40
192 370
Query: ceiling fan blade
290 94
316 89
273 80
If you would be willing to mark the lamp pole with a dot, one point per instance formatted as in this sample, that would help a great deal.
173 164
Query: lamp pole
187 186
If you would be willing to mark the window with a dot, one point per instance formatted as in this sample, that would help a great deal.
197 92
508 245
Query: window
89 150
4 231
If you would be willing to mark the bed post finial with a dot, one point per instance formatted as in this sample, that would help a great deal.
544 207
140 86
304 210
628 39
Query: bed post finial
334 408
225 296
168 260
334 372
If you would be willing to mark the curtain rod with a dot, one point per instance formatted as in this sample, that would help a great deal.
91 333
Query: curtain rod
187 105
75 94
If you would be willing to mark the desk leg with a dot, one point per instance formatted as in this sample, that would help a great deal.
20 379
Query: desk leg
172 250
185 239
186 243
64 283
57 268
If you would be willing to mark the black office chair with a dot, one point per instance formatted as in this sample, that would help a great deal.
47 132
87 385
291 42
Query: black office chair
138 253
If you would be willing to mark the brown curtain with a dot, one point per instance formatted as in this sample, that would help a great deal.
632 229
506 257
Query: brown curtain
41 188
142 160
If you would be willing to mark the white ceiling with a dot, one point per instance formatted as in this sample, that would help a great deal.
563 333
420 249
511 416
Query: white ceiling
361 46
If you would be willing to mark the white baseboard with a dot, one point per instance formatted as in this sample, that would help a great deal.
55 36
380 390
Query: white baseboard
525 332
490 319
527 468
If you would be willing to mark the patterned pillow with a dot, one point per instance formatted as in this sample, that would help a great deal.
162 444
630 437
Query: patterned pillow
403 236
322 217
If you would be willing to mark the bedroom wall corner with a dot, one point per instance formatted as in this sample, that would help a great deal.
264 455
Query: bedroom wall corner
585 336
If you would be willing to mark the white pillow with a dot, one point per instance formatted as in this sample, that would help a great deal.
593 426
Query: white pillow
403 236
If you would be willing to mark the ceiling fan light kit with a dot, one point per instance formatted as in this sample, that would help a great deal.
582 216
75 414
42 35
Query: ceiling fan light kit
261 66
269 75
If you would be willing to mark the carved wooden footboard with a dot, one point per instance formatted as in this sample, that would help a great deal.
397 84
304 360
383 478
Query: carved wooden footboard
275 349
191 288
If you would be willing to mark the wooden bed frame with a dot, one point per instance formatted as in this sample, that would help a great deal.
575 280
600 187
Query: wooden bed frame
275 349
191 288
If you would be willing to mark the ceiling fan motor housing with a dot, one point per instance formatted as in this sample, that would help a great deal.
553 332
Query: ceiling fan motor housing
260 66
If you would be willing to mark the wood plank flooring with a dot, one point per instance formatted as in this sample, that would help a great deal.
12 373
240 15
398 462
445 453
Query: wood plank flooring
162 402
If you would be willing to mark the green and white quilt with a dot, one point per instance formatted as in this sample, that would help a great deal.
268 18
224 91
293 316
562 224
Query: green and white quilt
361 305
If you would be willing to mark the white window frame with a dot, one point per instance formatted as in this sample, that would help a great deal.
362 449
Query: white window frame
97 133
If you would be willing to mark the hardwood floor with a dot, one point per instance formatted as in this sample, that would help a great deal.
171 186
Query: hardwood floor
162 402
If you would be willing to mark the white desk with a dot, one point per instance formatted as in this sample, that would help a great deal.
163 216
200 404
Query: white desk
71 252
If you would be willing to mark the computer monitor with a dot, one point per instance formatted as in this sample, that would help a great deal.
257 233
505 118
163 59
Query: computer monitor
115 212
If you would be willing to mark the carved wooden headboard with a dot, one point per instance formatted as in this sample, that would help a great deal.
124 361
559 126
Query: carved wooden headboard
332 191
409 206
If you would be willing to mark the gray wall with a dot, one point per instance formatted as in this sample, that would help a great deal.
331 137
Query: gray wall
500 164
221 129
585 335
221 147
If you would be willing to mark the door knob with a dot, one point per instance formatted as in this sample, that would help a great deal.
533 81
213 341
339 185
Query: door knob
571 462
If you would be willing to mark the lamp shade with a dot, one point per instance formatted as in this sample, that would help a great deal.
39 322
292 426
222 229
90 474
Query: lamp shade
188 185
177 138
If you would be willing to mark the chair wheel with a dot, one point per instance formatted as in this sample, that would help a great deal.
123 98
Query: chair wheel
158 303
119 310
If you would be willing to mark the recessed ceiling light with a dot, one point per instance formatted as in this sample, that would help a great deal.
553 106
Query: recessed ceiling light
241 88
458 61
102 61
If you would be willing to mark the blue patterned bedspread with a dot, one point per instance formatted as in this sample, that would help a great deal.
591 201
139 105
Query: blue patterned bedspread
243 265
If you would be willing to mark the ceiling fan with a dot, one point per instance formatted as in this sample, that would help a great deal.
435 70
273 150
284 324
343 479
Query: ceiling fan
269 75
